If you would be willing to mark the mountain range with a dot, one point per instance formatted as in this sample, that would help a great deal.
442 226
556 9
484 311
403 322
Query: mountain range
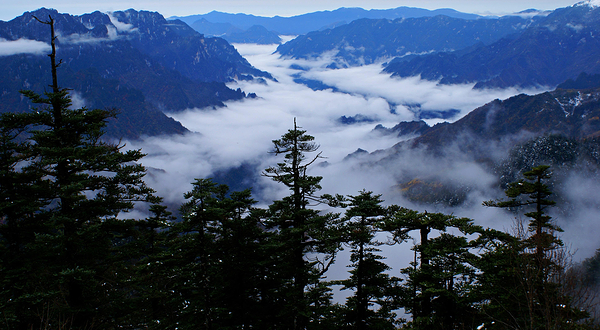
366 41
529 49
135 61
559 128
555 48
228 26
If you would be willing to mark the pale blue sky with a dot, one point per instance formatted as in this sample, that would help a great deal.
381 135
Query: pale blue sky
12 9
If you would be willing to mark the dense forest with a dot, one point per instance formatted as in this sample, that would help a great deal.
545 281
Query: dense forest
70 259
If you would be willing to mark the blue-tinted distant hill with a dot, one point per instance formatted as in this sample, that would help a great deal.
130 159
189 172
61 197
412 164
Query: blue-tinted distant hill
557 47
305 23
366 41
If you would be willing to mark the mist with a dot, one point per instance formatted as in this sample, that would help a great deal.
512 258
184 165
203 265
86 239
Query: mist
22 46
242 132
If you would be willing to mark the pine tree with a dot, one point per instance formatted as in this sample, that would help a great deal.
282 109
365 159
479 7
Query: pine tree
19 203
306 240
216 267
536 266
439 289
371 306
80 184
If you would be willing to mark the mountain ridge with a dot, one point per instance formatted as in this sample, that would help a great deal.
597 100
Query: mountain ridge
367 41
557 47
148 63
229 26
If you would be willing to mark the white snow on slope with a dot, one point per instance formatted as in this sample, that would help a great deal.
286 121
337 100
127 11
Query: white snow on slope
591 3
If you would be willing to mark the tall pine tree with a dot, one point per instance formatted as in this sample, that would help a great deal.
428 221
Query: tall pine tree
534 270
306 240
372 304
81 185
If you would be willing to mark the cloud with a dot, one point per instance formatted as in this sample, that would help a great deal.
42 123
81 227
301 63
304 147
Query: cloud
242 133
120 26
114 31
23 46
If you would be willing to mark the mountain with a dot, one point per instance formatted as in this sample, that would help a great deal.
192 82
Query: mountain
583 81
214 29
560 128
256 34
135 61
366 41
555 48
224 23
573 113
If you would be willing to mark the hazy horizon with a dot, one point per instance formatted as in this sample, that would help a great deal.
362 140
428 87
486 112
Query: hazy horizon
270 8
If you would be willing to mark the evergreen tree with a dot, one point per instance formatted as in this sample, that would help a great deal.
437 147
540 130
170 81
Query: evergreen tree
19 204
306 240
80 184
536 267
217 268
151 278
371 306
439 291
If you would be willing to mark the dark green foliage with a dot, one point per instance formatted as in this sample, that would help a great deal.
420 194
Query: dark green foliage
592 269
537 194
299 231
372 305
532 264
216 271
69 248
440 289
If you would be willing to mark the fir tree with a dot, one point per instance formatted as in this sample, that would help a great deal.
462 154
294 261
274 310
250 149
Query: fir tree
372 305
536 267
306 240
81 185
439 288
217 268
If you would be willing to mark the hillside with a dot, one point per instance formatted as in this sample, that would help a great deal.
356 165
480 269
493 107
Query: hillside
504 137
572 113
137 62
367 41
556 48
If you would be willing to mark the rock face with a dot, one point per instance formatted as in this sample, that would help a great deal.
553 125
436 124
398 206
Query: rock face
135 61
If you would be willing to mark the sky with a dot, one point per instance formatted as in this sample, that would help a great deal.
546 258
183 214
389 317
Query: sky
12 9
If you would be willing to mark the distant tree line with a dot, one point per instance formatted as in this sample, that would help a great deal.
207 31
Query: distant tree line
68 260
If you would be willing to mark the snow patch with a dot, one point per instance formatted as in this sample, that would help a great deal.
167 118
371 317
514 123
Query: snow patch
590 3
569 106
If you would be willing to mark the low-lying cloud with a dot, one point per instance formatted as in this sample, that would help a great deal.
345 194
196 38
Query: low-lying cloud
23 46
242 133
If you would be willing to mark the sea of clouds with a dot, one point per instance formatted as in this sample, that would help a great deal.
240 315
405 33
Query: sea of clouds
242 132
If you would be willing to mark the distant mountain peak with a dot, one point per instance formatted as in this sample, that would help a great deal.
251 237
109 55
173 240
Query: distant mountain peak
589 3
